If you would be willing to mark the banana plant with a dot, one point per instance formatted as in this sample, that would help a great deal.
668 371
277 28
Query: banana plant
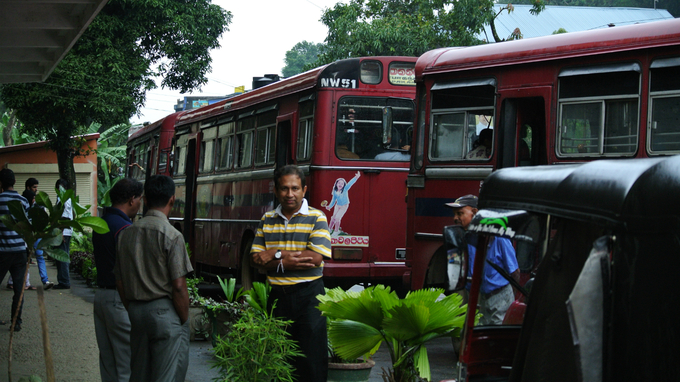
47 224
360 321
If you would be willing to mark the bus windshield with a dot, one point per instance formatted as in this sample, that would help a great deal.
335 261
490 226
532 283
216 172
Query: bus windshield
359 134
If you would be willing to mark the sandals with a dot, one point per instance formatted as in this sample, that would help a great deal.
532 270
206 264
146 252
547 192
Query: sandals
30 287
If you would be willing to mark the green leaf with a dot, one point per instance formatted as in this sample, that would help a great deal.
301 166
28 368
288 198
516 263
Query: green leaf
52 239
422 363
78 209
97 224
16 209
57 254
43 200
8 221
352 339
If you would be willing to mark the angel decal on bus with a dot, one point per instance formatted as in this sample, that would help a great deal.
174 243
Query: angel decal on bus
341 202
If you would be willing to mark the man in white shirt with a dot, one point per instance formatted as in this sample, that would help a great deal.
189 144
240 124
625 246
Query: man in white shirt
63 276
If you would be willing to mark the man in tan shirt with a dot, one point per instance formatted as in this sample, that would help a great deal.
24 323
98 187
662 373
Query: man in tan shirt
151 268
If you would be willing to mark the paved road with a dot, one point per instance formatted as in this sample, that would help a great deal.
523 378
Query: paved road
73 342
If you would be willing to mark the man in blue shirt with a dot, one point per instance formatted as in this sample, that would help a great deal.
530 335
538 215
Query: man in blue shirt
13 250
111 321
496 293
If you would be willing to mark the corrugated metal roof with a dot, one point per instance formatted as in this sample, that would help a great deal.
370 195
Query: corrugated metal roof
572 19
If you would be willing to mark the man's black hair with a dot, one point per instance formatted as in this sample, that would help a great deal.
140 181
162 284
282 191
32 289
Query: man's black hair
290 169
30 182
7 178
124 190
158 190
63 183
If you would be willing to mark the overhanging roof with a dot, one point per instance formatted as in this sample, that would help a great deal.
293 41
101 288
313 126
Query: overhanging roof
36 34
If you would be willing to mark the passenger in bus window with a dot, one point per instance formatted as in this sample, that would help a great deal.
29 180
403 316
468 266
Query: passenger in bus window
482 147
496 293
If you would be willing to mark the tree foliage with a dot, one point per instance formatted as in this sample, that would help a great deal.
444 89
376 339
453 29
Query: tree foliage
300 58
105 76
404 27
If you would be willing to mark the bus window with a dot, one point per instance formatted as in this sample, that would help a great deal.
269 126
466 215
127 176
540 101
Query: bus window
664 129
207 153
181 155
225 146
264 146
359 129
163 162
304 141
371 72
599 110
462 120
462 135
244 138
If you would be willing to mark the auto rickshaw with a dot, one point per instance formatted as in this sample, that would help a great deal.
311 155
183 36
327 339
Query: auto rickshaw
598 249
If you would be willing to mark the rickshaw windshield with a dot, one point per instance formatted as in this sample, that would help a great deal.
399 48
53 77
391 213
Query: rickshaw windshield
511 242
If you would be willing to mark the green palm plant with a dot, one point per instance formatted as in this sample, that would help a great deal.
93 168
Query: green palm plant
111 152
361 321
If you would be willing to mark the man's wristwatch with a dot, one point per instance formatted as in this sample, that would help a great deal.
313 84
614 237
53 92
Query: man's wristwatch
277 255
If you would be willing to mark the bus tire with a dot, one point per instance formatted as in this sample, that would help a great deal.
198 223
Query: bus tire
249 274
436 276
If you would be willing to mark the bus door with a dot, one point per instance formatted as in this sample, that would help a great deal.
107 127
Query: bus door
283 139
522 130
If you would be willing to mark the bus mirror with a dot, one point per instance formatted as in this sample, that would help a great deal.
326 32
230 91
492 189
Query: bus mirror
387 125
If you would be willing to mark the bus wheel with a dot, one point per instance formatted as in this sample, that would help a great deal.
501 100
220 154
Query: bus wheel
436 276
249 274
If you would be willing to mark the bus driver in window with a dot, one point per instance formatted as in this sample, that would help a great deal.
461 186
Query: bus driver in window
346 137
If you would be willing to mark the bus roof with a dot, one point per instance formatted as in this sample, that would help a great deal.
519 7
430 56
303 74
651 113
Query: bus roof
553 47
294 84
168 122
639 193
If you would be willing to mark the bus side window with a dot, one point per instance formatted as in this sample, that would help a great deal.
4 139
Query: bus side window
599 111
244 138
305 133
664 101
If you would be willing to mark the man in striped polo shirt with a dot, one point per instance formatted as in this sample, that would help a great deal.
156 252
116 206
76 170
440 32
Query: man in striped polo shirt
291 244
12 247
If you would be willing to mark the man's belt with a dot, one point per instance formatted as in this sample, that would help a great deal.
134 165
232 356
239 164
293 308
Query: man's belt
495 291
288 289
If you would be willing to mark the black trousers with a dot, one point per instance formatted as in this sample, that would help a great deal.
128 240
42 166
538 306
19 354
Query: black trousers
298 303
16 265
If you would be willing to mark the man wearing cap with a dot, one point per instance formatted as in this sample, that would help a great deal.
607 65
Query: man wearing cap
496 293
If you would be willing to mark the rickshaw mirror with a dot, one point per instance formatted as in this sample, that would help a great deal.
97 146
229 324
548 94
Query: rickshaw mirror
455 245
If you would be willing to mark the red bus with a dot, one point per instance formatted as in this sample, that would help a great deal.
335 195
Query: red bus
149 148
348 125
567 98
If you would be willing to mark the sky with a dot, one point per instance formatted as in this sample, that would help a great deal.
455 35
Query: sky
260 34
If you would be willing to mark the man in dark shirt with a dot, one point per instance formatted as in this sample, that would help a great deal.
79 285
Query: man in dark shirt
111 321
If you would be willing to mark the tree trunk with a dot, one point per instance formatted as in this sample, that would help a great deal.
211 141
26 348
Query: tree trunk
7 131
66 169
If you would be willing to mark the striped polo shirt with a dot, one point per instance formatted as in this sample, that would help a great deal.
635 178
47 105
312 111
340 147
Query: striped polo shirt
307 229
10 241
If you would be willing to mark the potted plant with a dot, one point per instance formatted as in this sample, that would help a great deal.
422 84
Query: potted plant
221 315
199 326
257 346
339 369
361 321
